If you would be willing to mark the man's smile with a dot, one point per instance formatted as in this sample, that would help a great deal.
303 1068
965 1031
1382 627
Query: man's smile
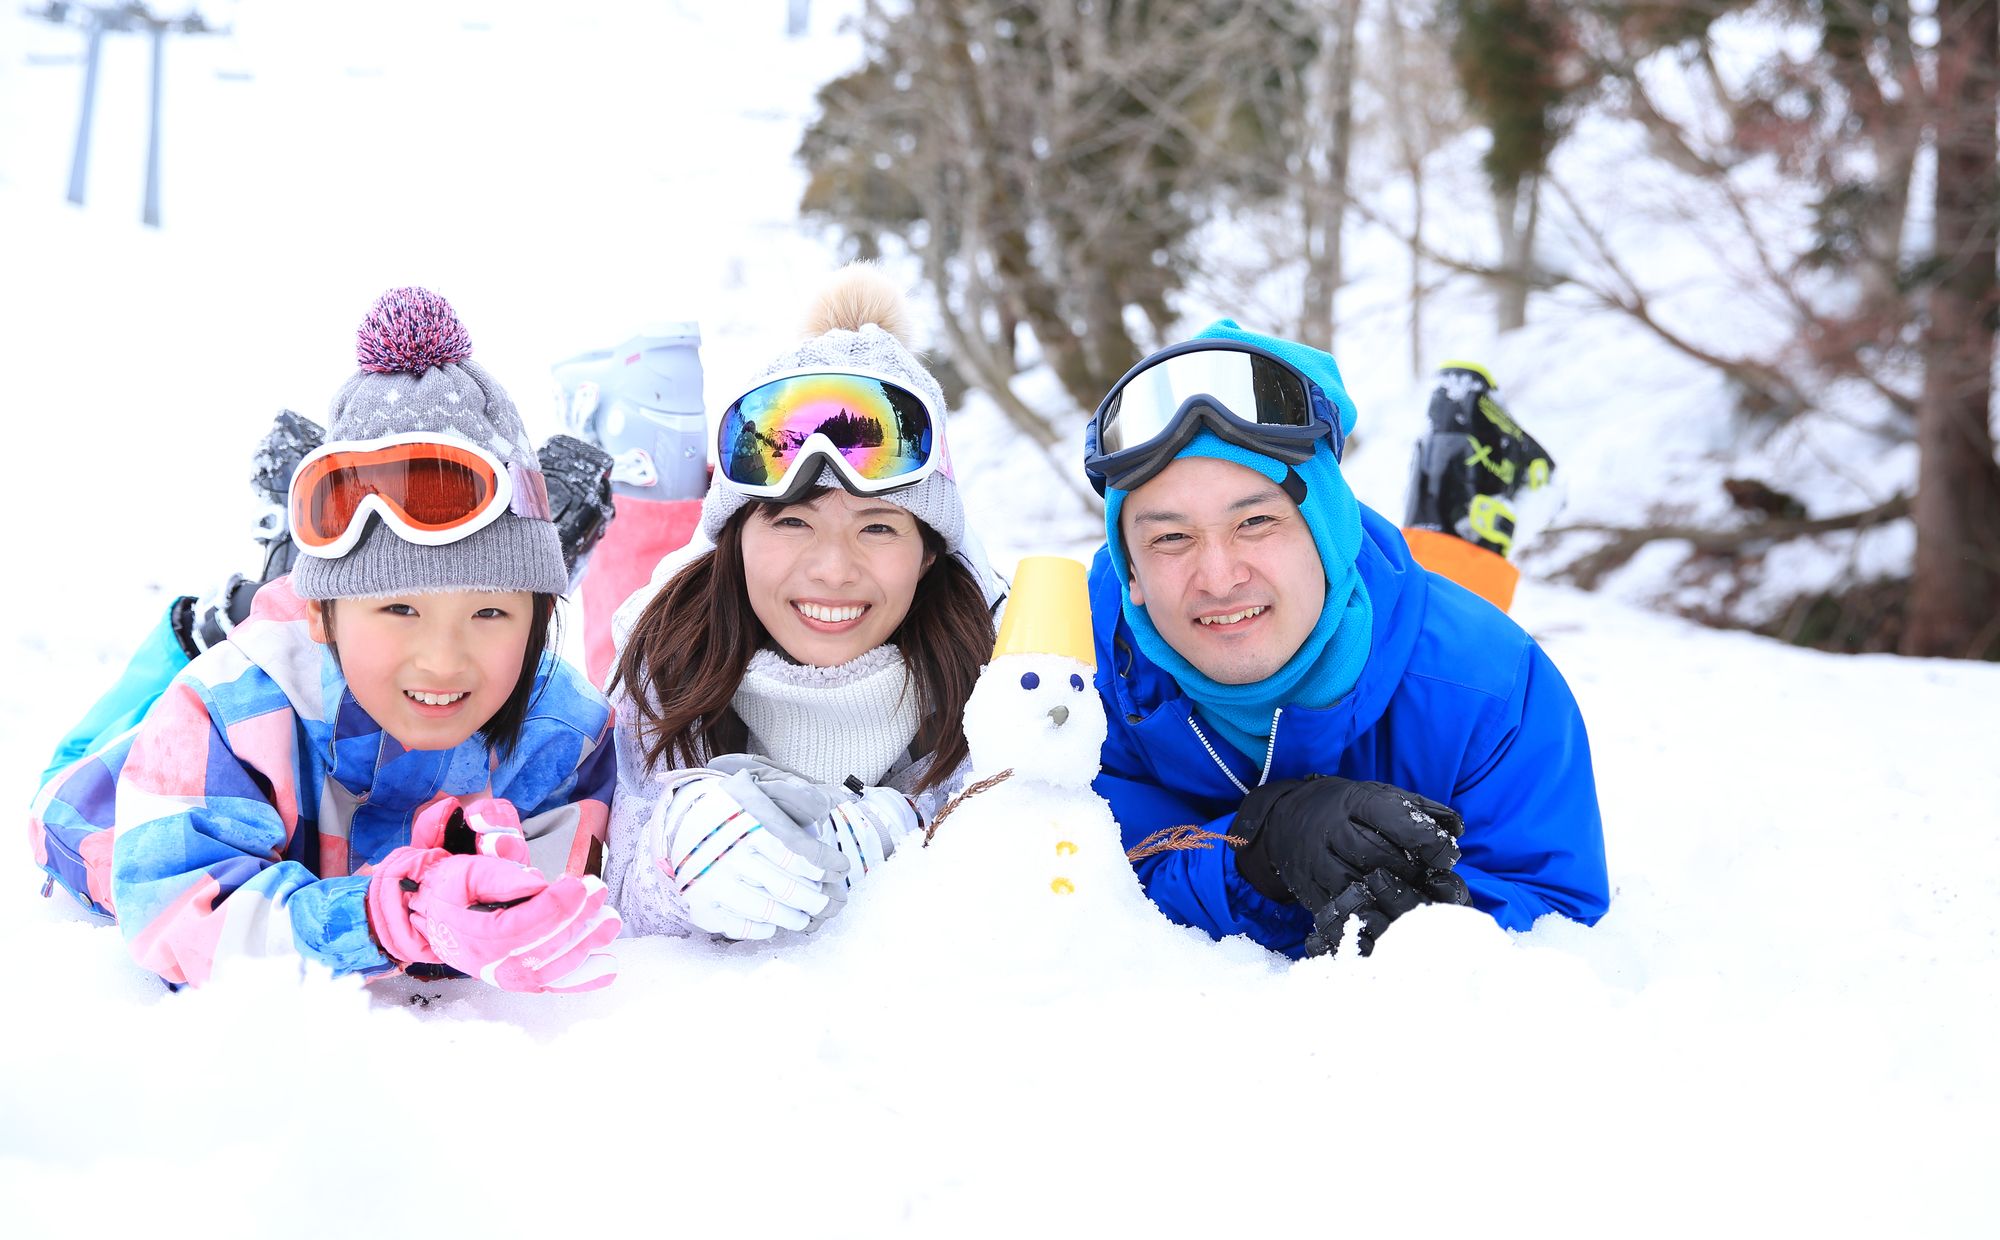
1223 619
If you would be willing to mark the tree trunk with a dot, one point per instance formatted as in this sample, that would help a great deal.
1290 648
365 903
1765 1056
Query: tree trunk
996 217
1107 347
1866 49
1329 97
989 367
1519 210
1416 125
1955 592
1417 267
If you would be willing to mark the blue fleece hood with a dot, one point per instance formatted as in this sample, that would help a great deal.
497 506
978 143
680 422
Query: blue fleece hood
1330 660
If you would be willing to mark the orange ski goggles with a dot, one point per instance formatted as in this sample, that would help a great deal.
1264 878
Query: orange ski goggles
430 489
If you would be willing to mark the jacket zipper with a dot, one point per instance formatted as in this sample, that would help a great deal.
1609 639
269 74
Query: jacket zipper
1220 765
1270 752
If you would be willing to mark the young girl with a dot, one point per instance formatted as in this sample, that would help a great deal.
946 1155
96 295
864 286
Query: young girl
790 689
383 765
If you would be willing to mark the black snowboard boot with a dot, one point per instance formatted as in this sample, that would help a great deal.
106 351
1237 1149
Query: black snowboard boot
1473 462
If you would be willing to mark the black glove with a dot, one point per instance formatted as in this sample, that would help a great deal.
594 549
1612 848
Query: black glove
1344 848
1376 900
1307 839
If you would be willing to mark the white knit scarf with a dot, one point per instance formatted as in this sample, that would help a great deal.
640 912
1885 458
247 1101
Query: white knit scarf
827 723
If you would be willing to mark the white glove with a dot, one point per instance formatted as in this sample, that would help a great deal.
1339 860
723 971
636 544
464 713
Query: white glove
744 868
867 828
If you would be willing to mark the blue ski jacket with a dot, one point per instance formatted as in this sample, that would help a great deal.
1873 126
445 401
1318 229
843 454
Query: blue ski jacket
1456 702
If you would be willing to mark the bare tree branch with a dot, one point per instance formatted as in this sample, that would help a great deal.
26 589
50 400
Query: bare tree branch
1627 541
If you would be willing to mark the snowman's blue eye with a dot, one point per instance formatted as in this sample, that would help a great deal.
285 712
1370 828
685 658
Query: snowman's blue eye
1076 682
1030 681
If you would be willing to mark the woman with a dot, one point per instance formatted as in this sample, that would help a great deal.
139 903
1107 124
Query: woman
790 690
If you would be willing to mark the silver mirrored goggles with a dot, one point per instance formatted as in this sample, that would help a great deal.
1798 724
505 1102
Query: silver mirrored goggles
1248 397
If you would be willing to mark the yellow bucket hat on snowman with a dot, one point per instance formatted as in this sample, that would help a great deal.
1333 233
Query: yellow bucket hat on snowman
1048 611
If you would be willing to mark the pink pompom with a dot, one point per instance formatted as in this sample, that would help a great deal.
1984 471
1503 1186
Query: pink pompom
408 331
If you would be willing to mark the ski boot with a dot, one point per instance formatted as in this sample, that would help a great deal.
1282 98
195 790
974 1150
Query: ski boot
201 623
192 625
642 403
1464 480
579 479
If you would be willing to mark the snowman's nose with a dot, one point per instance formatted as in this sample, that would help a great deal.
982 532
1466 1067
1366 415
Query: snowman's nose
1060 714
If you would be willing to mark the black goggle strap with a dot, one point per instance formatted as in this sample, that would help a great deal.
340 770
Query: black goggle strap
1133 467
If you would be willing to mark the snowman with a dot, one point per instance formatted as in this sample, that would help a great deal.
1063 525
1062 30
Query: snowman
1035 728
1027 865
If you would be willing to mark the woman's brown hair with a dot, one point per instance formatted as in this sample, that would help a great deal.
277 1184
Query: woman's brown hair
691 645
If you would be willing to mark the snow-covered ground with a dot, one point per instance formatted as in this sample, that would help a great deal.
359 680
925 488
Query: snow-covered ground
1783 1024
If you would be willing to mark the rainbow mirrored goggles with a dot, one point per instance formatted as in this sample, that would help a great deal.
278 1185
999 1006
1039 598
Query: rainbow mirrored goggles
876 434
430 489
1248 397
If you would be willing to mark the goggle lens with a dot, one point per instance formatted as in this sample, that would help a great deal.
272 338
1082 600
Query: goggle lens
1254 388
430 494
880 430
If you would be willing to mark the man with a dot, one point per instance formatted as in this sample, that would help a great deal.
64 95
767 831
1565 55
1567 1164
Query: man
1349 735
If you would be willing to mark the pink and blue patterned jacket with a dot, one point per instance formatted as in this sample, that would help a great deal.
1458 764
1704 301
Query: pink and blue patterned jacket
243 815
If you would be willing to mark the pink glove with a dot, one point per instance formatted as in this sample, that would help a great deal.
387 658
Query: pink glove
389 890
496 919
488 826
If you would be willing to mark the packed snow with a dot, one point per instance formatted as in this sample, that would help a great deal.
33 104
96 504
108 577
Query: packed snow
1782 1025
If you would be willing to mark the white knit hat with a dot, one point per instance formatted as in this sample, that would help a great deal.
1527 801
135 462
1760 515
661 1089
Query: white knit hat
860 321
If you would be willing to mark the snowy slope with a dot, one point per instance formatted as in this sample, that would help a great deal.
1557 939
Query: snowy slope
1782 1025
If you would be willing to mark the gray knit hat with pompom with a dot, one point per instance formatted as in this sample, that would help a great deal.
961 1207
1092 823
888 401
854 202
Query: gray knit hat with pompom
860 320
417 375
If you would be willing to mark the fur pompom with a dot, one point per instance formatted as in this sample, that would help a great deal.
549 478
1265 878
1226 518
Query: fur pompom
408 331
859 293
